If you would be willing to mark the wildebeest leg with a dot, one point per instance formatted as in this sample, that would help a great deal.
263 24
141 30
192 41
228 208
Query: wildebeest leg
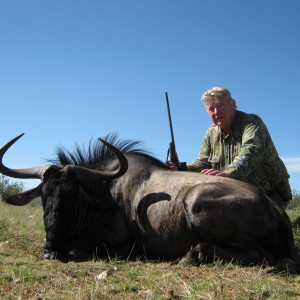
241 253
207 253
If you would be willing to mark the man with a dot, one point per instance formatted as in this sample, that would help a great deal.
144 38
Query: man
239 146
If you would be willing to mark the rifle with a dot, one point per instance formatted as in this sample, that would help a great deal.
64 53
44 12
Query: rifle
172 150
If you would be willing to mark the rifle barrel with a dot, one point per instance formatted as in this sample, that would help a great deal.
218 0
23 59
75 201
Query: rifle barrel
170 119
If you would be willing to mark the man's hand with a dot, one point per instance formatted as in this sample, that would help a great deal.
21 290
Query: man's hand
213 172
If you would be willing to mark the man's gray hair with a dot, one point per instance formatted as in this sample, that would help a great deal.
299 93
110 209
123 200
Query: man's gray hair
217 92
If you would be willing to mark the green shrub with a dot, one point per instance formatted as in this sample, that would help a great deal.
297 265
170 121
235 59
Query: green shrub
8 188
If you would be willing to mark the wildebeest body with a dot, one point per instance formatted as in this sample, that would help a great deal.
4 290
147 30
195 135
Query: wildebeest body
160 214
174 211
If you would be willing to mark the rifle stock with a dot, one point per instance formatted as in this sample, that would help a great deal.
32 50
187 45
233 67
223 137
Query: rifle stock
173 154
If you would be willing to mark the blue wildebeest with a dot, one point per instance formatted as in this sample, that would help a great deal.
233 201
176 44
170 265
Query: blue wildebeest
116 200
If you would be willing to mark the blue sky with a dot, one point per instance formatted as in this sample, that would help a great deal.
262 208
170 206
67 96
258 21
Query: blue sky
75 70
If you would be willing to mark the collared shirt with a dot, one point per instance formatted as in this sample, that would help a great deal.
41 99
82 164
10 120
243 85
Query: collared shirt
247 153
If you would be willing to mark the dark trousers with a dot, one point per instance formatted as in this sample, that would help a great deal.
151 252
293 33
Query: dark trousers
282 194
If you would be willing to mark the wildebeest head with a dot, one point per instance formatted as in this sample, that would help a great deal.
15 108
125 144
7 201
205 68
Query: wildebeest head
74 182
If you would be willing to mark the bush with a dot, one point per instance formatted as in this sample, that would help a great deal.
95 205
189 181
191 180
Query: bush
8 188
295 202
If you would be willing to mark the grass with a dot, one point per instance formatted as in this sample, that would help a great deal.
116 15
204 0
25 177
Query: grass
23 275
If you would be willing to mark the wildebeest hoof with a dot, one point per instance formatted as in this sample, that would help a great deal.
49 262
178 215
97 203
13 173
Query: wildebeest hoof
47 254
188 261
54 255
196 255
78 254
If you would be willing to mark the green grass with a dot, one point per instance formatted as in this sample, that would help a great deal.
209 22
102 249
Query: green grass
23 275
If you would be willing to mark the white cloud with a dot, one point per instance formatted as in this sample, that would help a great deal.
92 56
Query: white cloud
292 164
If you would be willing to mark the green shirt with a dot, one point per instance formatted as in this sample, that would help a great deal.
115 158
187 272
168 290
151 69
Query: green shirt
247 153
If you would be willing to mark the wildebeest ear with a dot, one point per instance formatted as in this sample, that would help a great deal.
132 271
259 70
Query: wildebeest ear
25 197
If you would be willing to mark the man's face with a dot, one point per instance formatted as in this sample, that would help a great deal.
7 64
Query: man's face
221 113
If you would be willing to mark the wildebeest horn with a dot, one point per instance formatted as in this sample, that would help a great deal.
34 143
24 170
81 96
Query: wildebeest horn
82 173
85 174
123 163
26 173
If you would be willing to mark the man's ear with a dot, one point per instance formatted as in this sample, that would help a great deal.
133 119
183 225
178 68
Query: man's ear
234 103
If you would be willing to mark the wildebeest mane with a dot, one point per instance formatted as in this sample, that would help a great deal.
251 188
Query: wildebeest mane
96 152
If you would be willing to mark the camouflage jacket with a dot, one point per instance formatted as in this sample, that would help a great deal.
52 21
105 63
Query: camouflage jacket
246 154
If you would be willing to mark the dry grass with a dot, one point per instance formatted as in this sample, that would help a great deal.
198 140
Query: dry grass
24 276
